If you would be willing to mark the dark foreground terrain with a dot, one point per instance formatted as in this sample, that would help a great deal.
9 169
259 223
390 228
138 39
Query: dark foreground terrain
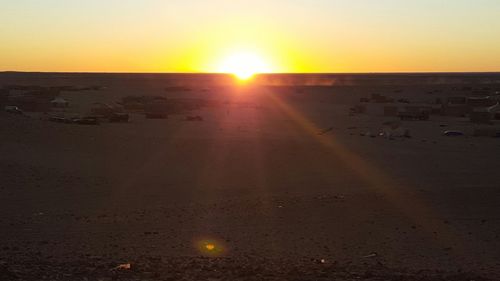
202 268
273 183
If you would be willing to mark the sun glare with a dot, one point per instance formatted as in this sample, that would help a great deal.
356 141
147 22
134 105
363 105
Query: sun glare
244 65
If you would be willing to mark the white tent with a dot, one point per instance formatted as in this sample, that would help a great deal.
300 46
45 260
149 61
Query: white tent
59 102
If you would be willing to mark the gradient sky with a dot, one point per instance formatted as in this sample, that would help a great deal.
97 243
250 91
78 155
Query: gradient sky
291 35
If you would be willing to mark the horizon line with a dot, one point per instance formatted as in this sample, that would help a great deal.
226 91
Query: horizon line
257 74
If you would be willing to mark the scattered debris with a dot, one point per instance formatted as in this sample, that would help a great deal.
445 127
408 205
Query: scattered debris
59 119
119 118
59 102
151 115
319 261
325 131
89 120
329 197
392 130
414 115
358 109
453 133
371 255
124 266
13 109
196 118
368 134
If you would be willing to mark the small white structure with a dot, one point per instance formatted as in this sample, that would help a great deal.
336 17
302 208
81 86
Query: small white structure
59 102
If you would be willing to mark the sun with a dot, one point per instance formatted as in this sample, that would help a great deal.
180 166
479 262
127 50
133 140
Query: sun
244 65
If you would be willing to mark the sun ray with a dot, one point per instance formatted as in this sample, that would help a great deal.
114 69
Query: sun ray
376 179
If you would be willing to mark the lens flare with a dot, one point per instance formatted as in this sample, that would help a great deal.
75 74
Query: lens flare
210 247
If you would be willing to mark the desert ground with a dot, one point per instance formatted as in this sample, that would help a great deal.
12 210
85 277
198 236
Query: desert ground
276 182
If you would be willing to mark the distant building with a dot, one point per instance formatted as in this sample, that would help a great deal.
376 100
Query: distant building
378 98
480 117
456 100
474 102
359 109
455 106
391 111
415 113
30 103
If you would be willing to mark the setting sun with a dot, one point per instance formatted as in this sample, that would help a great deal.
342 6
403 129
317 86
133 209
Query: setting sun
244 65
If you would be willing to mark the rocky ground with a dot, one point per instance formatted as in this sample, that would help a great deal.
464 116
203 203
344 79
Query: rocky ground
265 188
205 268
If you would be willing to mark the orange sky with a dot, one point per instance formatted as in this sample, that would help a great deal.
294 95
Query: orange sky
289 36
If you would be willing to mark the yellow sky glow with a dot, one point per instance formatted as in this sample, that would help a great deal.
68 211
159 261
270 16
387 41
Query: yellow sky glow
281 36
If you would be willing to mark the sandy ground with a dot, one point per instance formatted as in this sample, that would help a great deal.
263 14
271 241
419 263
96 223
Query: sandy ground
253 192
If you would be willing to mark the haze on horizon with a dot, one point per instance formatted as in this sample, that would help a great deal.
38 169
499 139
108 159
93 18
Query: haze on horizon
290 36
